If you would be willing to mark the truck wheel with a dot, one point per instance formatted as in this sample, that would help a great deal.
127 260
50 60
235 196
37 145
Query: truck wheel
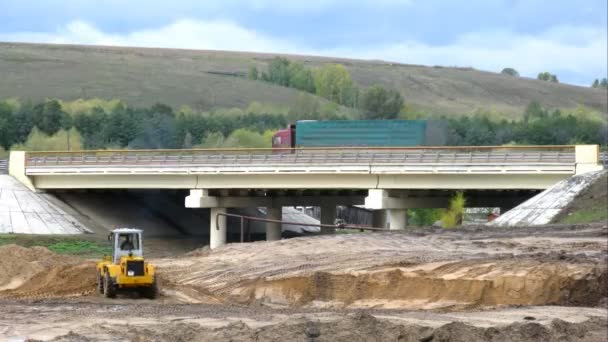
99 282
109 289
150 292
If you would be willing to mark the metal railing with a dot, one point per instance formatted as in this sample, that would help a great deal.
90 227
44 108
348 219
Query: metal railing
312 156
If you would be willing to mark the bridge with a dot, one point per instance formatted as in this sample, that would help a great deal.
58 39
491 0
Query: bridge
390 180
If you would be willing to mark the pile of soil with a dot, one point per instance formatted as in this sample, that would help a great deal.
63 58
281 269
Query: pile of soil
354 328
37 272
455 270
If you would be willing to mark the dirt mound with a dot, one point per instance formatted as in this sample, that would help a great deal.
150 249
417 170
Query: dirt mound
455 270
37 272
354 328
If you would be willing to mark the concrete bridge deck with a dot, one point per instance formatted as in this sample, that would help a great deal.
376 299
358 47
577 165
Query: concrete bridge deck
387 180
530 167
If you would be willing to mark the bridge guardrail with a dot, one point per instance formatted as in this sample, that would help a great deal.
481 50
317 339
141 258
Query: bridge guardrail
315 156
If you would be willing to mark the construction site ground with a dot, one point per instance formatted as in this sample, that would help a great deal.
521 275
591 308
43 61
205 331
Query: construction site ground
543 283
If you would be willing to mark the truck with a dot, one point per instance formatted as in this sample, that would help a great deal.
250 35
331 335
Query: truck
361 133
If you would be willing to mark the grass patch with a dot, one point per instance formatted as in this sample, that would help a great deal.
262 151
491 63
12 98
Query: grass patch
70 245
596 214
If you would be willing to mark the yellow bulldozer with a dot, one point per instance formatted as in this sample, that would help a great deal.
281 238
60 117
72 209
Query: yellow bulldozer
126 270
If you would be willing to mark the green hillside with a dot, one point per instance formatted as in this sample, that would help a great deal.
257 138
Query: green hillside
210 79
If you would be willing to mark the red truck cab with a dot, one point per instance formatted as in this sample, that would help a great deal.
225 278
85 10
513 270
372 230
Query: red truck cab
284 138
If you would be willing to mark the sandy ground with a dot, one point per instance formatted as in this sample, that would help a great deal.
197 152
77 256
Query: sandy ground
82 321
473 284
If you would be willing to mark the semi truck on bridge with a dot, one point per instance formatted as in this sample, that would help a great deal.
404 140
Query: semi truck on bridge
361 133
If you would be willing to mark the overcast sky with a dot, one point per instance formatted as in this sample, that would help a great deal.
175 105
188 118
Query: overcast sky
565 37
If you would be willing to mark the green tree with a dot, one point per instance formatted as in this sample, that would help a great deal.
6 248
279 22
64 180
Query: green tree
212 140
547 76
24 122
600 84
48 116
379 103
455 214
7 126
424 217
333 82
244 138
253 73
278 71
510 72
93 127
534 111
300 77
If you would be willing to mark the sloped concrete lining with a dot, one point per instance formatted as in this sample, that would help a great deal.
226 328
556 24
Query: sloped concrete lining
23 211
542 208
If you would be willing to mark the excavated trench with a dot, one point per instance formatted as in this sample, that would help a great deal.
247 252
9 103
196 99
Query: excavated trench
458 285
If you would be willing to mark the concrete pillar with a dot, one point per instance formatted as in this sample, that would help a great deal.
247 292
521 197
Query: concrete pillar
379 218
397 219
273 229
328 216
218 233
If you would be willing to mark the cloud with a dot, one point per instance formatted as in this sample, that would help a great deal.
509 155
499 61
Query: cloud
579 51
185 34
573 50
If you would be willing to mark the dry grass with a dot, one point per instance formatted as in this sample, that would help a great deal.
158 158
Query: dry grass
181 77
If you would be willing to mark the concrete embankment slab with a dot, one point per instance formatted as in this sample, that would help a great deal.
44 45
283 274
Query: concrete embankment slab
542 208
25 212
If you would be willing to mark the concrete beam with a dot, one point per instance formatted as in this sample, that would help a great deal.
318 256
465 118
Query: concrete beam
382 199
385 199
529 180
199 198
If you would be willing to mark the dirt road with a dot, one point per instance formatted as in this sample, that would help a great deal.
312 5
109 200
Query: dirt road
473 284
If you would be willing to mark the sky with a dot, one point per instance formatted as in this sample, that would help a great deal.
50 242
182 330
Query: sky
567 38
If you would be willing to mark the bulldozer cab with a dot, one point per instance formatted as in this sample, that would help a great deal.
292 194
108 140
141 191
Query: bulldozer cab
126 242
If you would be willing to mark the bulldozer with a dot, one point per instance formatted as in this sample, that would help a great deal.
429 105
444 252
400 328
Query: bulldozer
126 270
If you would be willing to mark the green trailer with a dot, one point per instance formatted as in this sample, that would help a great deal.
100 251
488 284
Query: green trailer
387 133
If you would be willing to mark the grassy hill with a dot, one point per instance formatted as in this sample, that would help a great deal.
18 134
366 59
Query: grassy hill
207 79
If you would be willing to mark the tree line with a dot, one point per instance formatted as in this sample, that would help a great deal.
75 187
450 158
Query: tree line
334 83
53 124
549 77
538 126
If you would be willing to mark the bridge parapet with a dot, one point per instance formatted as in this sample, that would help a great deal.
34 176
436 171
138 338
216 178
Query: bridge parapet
484 155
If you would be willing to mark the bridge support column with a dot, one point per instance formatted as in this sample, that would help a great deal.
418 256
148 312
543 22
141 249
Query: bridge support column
273 229
217 228
328 216
397 219
379 218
